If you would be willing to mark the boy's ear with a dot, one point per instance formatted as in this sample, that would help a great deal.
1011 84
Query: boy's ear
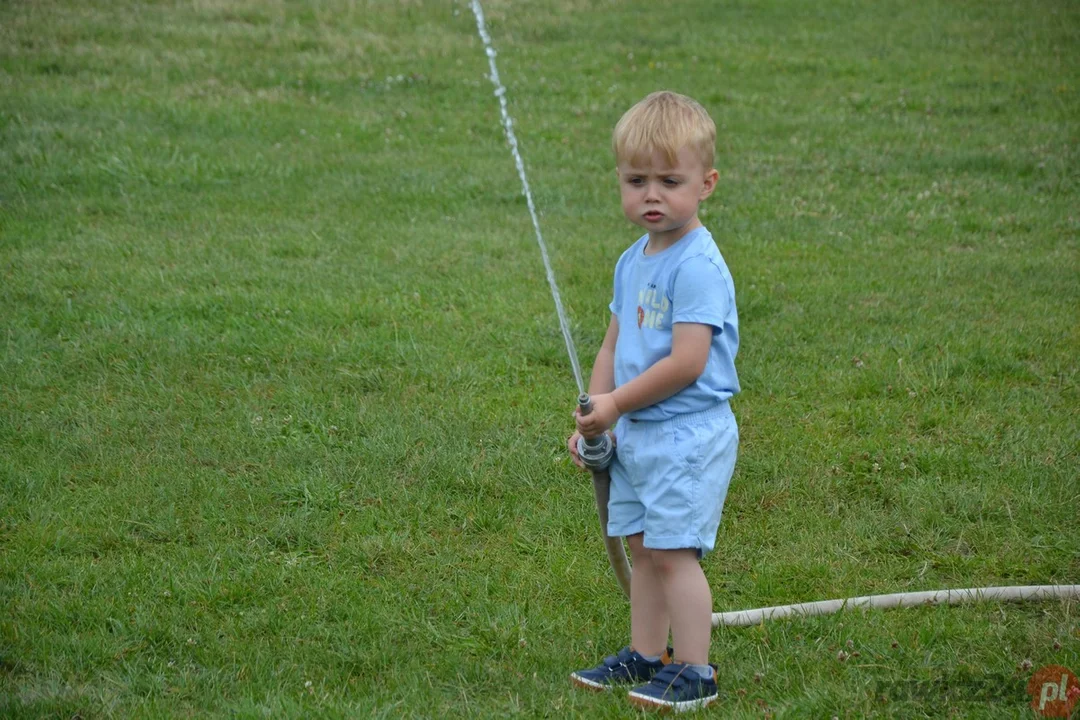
711 178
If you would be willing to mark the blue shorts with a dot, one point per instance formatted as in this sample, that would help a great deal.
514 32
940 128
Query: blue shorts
670 477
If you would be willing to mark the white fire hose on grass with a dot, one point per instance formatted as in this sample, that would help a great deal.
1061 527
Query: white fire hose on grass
597 454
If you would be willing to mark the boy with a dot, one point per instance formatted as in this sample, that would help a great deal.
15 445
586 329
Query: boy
665 372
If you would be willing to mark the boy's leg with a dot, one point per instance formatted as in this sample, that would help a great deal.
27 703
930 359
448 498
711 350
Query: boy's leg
648 652
649 621
688 601
688 461
689 682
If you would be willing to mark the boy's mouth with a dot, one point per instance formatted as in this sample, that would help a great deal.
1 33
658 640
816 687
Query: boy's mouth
653 215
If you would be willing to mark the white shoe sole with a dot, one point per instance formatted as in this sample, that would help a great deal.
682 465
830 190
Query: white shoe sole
669 706
588 684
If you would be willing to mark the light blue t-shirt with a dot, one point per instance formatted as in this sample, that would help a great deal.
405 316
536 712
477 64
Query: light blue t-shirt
687 282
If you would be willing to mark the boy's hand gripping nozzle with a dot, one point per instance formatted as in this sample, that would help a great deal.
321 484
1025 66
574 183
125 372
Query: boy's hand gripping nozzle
595 452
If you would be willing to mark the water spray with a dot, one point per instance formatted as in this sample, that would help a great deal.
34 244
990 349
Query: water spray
597 453
511 139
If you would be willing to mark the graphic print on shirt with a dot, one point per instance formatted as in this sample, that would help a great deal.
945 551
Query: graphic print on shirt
653 307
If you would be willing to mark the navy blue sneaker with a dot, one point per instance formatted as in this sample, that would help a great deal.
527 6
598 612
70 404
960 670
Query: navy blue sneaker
627 666
676 687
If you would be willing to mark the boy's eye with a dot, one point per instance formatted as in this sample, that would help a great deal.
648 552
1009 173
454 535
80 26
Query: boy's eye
671 182
636 181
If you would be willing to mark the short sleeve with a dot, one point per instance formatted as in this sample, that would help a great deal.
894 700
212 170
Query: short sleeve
700 293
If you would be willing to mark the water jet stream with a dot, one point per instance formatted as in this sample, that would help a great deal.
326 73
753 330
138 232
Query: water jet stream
508 126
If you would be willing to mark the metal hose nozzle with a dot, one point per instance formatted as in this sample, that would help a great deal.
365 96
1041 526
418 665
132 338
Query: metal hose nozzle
595 452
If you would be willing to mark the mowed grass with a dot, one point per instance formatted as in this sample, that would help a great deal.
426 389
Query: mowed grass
284 398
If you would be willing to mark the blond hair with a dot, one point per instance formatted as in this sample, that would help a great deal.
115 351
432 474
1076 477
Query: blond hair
667 122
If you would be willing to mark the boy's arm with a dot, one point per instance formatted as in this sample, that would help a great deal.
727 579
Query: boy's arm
602 381
690 343
603 372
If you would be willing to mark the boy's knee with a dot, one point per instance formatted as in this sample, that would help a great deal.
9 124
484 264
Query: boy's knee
668 562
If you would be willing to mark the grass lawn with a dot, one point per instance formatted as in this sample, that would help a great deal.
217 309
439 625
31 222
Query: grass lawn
283 397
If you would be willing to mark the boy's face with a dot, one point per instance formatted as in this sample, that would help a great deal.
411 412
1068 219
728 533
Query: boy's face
664 198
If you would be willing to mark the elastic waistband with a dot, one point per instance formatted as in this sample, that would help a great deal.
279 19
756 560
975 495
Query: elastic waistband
720 409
